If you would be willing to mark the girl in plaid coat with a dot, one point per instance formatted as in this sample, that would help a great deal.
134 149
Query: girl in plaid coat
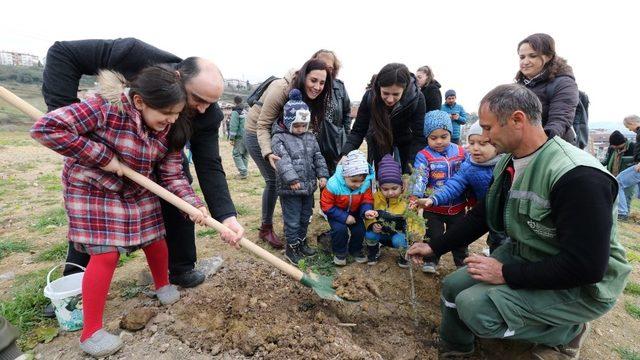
139 127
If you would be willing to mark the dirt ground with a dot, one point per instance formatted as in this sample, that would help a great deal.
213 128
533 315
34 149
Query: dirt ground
249 309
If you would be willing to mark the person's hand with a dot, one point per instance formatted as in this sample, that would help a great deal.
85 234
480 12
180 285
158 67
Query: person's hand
485 269
350 220
201 217
370 214
454 116
296 186
273 158
113 166
377 228
428 202
237 232
322 183
413 203
418 251
638 168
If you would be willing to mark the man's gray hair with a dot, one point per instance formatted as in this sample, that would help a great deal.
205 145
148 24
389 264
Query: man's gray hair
505 99
632 120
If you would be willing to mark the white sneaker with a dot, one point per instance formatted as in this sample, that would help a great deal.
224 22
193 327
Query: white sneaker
429 268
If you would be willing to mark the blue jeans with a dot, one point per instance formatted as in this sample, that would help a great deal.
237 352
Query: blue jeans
296 211
629 178
269 194
340 242
396 240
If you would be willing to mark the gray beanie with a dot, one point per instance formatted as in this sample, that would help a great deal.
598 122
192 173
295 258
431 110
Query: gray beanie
475 129
449 92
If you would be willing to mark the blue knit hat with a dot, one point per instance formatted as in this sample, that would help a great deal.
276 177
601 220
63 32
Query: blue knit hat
436 119
389 171
296 111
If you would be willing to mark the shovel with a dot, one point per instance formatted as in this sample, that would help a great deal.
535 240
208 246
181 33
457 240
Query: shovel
319 283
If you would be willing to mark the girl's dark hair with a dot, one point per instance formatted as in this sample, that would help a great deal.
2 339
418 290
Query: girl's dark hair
544 44
320 104
390 74
160 87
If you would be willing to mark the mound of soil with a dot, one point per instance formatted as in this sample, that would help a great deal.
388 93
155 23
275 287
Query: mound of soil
254 308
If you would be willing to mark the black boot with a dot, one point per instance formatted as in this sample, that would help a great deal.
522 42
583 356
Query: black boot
305 249
292 253
373 254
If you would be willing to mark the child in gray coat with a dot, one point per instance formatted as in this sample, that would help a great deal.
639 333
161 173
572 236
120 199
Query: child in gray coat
300 168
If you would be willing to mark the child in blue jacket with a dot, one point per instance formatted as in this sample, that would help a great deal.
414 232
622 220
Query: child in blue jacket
475 174
433 167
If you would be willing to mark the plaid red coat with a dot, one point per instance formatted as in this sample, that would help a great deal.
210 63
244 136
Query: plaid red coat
105 209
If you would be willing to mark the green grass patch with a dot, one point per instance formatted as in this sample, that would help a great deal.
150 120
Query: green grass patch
123 259
627 354
632 309
635 247
243 209
206 233
24 307
633 256
25 166
321 263
9 246
632 289
11 183
50 182
57 252
51 220
129 289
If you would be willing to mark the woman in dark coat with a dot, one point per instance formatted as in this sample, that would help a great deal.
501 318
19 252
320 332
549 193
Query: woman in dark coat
391 117
551 78
430 88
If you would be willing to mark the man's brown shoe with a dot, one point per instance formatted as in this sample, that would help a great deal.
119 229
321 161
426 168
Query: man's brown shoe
569 351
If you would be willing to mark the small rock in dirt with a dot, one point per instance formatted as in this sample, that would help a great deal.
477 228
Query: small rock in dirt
163 318
153 328
306 306
164 347
144 278
136 319
253 301
126 336
215 349
7 276
210 266
263 304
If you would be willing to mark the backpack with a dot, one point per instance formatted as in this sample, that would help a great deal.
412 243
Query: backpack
580 119
254 98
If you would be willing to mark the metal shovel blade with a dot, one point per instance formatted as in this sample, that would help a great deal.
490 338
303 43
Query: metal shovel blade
321 285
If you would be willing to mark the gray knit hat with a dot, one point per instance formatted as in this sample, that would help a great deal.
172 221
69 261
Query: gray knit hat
475 129
449 92
355 163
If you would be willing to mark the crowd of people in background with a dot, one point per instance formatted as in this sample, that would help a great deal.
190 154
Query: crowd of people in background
299 134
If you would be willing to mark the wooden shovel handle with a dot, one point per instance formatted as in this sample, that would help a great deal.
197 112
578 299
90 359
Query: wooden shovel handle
211 222
148 184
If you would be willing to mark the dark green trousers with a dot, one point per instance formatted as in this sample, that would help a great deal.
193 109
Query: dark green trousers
550 317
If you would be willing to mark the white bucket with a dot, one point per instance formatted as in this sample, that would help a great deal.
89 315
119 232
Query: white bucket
66 296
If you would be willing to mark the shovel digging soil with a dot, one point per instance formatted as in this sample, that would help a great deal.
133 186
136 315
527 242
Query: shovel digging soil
319 283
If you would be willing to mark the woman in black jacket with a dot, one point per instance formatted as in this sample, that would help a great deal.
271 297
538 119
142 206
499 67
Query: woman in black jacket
551 78
390 116
430 88
339 111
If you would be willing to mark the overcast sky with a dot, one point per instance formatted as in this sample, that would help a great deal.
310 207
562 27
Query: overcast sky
470 45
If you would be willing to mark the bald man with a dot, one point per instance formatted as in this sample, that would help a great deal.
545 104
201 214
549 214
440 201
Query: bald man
67 61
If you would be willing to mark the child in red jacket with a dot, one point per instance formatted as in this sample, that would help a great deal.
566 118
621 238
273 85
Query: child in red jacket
109 215
346 200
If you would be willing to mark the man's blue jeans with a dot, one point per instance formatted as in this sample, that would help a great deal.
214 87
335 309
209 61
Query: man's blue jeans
627 179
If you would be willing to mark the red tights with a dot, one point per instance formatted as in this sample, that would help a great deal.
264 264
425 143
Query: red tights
97 278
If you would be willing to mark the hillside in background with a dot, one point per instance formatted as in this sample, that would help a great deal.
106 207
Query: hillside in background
26 82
